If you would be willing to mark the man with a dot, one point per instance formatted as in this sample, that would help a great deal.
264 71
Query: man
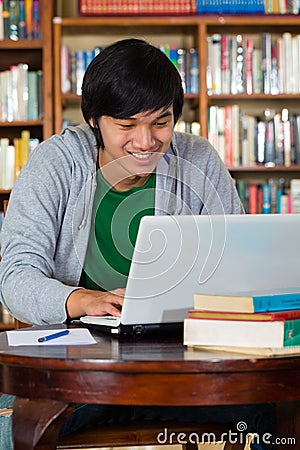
131 99
67 238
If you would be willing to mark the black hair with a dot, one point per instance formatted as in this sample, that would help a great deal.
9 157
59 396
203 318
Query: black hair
126 78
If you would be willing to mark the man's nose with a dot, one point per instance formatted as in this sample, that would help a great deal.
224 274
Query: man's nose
143 138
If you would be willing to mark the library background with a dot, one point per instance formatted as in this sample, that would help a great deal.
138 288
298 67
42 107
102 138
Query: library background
239 62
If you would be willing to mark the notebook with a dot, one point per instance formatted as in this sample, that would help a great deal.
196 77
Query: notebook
178 256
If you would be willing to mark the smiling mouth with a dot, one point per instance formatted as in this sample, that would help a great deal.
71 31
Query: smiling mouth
141 156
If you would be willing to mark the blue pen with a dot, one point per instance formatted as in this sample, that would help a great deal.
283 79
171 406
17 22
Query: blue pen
53 336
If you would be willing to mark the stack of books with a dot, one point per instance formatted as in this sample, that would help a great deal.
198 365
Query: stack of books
251 324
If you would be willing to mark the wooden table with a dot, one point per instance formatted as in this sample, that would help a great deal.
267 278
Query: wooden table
140 371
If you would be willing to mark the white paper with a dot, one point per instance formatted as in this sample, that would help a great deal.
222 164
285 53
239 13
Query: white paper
77 336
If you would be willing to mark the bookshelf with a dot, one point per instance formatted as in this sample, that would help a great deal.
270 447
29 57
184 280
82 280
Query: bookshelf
36 53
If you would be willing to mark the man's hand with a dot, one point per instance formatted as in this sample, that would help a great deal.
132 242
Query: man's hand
88 302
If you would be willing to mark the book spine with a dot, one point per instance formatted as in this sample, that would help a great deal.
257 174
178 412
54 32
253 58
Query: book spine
216 64
32 109
29 18
266 62
5 15
248 65
1 21
13 31
4 143
22 22
253 190
36 19
181 66
276 302
225 69
266 206
295 195
291 333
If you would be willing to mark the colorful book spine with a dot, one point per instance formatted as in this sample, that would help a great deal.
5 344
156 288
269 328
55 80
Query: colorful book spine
1 21
22 21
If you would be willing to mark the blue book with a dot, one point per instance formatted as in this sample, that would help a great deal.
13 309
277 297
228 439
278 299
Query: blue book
247 303
266 206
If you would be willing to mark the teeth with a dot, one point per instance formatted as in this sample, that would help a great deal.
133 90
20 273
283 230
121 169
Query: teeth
142 155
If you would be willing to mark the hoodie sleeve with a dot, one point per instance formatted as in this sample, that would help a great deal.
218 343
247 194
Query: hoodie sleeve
29 289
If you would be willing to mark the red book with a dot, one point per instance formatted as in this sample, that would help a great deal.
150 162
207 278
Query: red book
249 58
228 136
253 198
223 315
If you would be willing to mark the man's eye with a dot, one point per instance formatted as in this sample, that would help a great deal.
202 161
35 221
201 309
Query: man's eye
126 125
161 124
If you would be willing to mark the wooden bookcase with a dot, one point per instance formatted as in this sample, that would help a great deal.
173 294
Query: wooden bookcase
87 32
37 53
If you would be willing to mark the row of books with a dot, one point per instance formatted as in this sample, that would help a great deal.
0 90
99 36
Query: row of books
164 7
270 197
137 7
19 19
21 94
230 7
245 140
14 157
282 7
74 65
267 324
239 64
184 126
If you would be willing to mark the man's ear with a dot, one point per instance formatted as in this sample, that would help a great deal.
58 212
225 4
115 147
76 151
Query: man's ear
91 122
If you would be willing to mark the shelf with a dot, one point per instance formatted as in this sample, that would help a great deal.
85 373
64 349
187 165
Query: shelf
27 123
239 97
37 54
264 169
21 44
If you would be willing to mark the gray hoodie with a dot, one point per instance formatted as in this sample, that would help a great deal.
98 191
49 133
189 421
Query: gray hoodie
45 232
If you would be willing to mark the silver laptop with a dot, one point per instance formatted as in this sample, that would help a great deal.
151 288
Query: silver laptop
178 256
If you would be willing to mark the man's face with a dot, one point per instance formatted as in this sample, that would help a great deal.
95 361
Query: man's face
137 143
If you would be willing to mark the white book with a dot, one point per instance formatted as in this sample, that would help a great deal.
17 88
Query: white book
209 66
14 72
233 64
65 69
280 65
9 169
221 133
288 63
286 136
23 91
235 135
213 126
295 65
9 97
4 143
295 195
242 333
216 64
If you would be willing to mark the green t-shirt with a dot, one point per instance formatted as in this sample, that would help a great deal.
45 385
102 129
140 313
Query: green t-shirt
115 220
